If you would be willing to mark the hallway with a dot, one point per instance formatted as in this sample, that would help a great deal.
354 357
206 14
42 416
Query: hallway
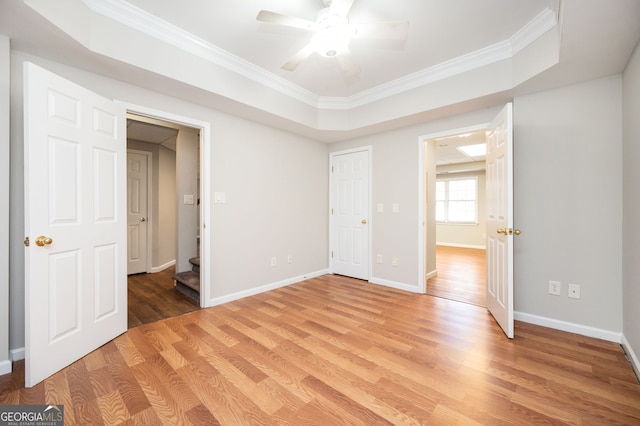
153 297
462 275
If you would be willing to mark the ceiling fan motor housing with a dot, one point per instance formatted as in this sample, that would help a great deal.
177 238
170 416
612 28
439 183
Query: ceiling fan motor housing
334 35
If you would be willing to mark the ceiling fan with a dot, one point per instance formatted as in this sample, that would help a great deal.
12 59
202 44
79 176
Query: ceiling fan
332 33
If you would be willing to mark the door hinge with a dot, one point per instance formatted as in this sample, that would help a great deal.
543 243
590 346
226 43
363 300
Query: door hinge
331 169
332 254
331 212
26 241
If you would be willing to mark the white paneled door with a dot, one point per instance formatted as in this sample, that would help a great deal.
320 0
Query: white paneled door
137 212
500 219
350 214
75 213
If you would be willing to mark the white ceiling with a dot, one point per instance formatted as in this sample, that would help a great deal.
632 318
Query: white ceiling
460 55
145 131
233 27
447 152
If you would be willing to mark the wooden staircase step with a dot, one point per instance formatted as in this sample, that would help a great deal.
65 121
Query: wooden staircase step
195 262
188 278
188 283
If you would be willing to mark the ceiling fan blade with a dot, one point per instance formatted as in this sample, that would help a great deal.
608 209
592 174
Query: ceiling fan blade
348 66
395 30
341 7
289 21
299 57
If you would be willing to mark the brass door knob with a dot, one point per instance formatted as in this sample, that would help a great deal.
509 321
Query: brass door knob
43 241
517 231
502 231
364 221
143 219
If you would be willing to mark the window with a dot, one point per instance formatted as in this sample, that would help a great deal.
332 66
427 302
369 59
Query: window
457 200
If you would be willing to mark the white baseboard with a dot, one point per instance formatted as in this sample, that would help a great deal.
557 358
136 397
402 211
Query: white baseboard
431 274
632 356
396 285
570 327
251 292
161 268
16 354
5 367
472 246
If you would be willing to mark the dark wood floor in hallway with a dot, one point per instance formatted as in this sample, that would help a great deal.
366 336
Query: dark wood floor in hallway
338 351
153 297
462 275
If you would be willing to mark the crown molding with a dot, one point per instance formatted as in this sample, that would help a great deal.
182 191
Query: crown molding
538 26
140 20
534 29
459 65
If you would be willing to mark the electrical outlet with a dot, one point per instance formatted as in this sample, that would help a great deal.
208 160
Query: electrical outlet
574 291
274 262
394 261
379 258
554 288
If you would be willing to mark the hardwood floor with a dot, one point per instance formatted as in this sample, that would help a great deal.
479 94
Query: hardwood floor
334 350
462 275
152 297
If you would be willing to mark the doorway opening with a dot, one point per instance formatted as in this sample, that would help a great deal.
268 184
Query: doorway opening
454 252
164 219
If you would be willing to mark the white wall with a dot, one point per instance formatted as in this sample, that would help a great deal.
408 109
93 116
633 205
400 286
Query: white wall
568 203
276 185
187 165
5 365
631 211
166 217
466 235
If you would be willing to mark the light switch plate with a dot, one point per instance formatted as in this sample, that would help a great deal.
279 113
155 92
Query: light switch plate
188 199
220 197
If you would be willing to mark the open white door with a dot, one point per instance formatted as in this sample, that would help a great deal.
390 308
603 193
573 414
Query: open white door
500 219
75 219
349 214
137 208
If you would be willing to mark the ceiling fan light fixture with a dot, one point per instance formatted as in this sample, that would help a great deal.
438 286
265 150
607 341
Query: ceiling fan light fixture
332 34
329 41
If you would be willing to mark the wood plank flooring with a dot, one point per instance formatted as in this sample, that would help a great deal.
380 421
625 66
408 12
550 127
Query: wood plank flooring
462 275
153 297
339 351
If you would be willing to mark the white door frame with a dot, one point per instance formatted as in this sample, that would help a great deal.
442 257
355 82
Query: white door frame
422 214
150 217
205 189
332 155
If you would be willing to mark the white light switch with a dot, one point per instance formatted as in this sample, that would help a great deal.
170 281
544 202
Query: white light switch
188 199
396 208
380 207
220 197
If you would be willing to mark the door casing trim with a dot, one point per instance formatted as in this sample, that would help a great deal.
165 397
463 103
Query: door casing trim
206 298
